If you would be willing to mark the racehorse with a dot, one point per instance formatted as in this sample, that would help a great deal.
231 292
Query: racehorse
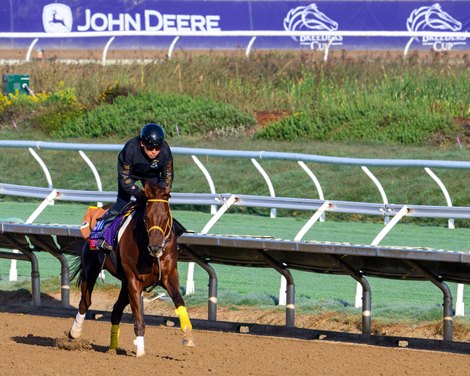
145 256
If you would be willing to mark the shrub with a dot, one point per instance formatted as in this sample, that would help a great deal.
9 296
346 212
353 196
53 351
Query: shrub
371 120
177 113
60 107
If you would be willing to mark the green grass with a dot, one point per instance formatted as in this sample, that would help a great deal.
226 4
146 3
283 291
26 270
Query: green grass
259 287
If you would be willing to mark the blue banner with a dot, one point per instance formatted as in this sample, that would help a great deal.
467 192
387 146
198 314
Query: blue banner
213 16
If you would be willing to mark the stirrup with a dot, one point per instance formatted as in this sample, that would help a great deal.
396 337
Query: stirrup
104 246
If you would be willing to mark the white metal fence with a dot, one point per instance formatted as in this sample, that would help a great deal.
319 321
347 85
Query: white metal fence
252 34
221 203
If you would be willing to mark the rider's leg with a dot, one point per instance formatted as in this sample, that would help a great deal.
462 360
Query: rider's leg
107 219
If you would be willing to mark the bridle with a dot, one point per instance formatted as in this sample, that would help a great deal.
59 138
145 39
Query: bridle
166 231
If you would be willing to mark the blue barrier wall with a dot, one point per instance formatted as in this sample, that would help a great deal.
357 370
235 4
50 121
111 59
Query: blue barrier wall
193 15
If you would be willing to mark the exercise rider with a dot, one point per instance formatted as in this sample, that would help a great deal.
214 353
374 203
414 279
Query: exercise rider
145 157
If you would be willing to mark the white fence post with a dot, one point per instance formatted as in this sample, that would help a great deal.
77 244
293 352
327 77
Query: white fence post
268 182
315 217
388 227
190 288
459 304
312 176
208 178
13 277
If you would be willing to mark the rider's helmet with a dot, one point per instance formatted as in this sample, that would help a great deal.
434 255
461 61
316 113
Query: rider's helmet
152 135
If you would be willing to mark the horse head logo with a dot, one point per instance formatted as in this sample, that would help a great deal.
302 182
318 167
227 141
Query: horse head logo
57 18
308 18
432 18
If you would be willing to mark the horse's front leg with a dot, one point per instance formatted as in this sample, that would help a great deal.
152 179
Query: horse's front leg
172 285
116 316
134 291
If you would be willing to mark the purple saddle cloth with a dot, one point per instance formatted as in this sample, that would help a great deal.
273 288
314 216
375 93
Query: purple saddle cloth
110 233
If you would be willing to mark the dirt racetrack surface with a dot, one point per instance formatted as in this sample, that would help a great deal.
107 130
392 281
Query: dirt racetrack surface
29 346
32 344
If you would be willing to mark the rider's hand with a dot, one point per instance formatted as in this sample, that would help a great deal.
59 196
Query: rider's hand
140 196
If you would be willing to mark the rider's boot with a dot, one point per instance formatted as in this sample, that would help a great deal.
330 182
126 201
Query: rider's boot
107 219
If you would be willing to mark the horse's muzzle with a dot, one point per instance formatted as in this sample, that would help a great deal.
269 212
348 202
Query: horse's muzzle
156 251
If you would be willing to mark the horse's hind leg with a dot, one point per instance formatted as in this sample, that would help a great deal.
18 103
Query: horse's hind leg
171 284
91 270
116 316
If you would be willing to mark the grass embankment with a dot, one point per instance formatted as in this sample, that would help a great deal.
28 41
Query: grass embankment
357 107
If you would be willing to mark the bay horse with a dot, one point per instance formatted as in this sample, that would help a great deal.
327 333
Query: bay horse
145 256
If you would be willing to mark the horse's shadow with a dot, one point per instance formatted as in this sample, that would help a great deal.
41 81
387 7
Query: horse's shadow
65 344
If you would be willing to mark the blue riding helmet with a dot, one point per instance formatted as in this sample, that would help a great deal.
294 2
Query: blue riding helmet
152 135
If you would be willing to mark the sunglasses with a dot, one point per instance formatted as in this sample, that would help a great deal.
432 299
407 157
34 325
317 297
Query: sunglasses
152 148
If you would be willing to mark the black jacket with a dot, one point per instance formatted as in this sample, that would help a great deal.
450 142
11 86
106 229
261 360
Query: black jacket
134 165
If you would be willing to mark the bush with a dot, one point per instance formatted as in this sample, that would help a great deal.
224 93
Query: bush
59 108
179 114
372 121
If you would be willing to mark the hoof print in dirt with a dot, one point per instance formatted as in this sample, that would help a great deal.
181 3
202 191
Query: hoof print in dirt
73 344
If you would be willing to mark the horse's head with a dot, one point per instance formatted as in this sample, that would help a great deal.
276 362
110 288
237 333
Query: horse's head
157 218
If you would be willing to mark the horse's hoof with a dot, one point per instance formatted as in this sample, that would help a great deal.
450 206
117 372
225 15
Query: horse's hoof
139 353
112 351
69 335
188 338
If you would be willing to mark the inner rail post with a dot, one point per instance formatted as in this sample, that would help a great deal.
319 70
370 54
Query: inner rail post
366 292
212 293
64 271
290 288
447 300
35 276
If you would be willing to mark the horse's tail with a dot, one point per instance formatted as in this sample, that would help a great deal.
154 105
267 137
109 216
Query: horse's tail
76 269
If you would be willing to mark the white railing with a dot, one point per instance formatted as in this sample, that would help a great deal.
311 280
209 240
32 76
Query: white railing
225 201
252 34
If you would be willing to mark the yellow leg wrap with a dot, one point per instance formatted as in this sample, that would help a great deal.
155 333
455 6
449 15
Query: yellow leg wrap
184 318
114 344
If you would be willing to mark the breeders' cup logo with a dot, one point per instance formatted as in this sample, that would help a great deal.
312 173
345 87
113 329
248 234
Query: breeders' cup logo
57 18
433 18
310 18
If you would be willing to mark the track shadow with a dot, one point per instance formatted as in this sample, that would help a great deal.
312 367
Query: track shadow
35 340
24 297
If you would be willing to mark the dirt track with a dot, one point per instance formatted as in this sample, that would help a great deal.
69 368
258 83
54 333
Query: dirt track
30 345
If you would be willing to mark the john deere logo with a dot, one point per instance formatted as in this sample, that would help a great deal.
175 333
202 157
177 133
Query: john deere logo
57 18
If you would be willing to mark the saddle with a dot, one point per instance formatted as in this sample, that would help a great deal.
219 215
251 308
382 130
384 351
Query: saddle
94 222
91 233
